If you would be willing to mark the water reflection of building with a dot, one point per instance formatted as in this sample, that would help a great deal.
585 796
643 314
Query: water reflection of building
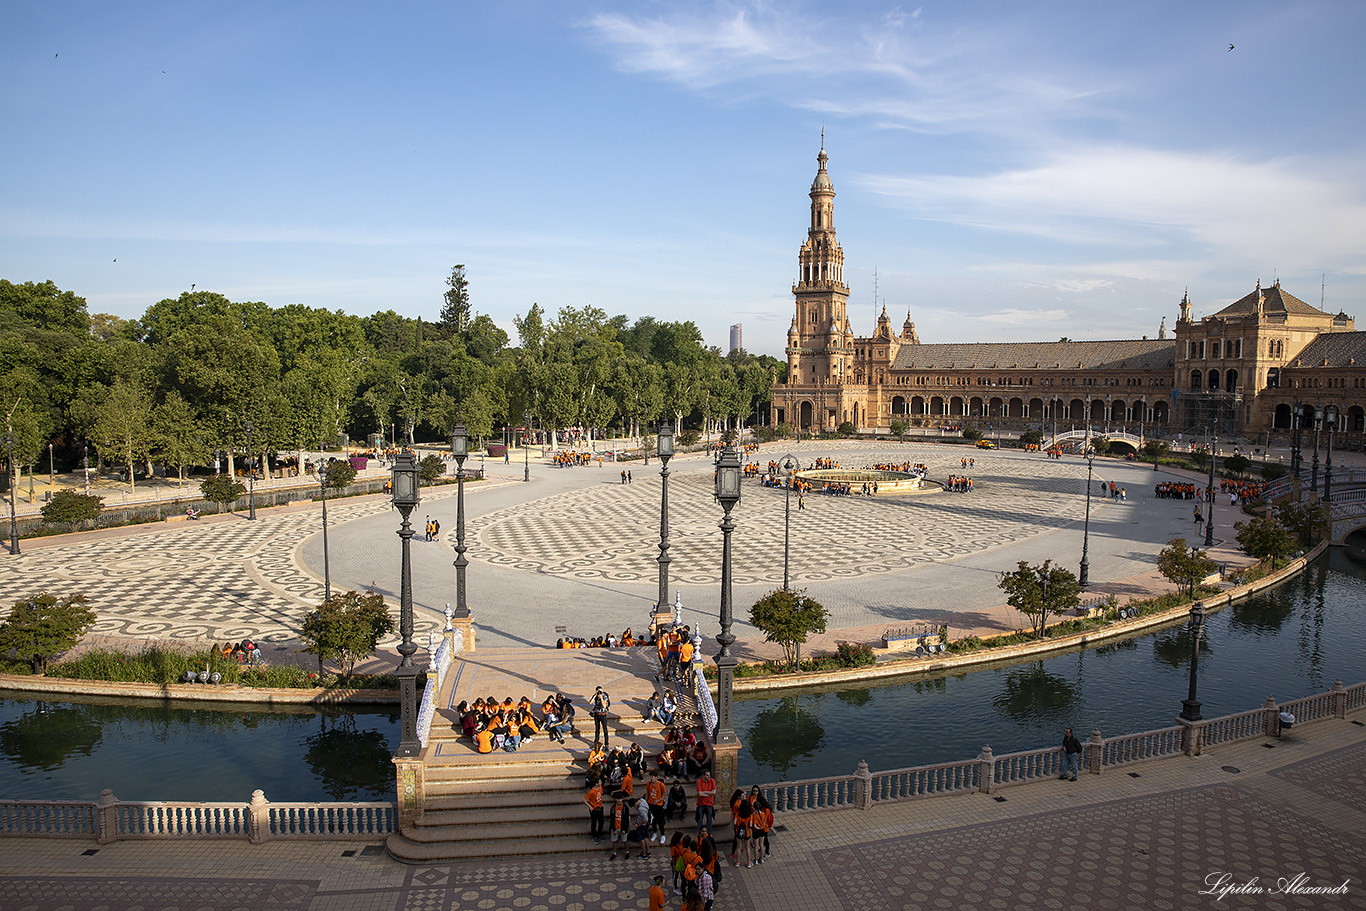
1240 370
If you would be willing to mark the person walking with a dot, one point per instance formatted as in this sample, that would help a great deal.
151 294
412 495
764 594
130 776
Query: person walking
593 800
1071 755
597 707
706 802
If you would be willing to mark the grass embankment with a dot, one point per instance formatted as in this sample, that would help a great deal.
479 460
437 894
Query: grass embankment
161 665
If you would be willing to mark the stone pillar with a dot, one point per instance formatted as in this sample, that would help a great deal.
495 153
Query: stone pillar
724 770
1095 751
106 818
1192 733
1271 723
464 627
863 786
1339 699
411 790
986 770
258 818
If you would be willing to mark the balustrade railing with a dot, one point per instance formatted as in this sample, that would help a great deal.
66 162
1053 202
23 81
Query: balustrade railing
924 781
1139 747
440 661
1030 765
48 818
110 819
987 772
702 692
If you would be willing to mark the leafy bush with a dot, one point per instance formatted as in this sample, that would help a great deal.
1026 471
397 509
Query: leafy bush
222 489
1031 437
897 428
971 434
430 468
687 437
346 628
68 507
163 665
1273 472
846 429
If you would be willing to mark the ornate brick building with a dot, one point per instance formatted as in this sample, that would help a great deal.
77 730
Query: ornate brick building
1240 370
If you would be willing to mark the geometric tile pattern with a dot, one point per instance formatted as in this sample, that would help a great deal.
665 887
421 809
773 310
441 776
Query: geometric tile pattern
1149 852
221 581
135 893
1340 776
610 531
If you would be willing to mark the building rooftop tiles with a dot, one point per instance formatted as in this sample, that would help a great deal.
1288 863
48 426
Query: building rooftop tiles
1134 354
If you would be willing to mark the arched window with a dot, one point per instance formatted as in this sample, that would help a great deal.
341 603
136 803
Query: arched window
1273 378
1195 379
1213 380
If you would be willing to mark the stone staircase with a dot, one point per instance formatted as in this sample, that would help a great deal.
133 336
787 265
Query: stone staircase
530 802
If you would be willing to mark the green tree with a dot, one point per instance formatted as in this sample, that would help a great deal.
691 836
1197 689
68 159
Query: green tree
1273 472
1303 520
1155 449
846 429
1265 538
69 507
1184 566
1100 444
1201 458
897 427
123 431
176 436
1238 464
430 468
1038 591
44 626
337 474
971 434
1031 437
455 314
222 489
787 617
346 628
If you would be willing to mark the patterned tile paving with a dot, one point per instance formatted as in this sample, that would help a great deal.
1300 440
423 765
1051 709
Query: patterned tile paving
611 531
1340 776
135 893
1149 852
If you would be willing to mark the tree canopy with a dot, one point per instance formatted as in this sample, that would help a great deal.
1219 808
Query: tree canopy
1040 591
787 617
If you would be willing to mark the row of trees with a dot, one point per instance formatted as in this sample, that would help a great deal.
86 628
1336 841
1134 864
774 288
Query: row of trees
186 379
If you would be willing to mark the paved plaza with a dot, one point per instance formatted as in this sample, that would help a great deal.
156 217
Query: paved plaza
1153 836
574 551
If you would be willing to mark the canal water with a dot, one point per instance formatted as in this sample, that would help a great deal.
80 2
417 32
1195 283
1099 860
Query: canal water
1290 642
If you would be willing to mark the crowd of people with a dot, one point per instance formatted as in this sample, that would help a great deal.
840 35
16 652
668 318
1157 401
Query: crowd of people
508 725
1177 490
627 639
1242 490
958 484
568 458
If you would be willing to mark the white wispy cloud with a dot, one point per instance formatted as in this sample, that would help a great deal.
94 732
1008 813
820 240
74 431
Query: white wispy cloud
1016 317
1278 210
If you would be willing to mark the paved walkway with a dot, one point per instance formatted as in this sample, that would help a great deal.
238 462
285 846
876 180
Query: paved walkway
1154 835
573 552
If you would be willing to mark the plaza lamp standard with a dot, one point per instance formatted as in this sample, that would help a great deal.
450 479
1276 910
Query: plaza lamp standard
665 443
1084 578
460 448
1209 493
526 442
251 478
324 476
406 498
727 494
1318 425
1297 415
1190 706
13 522
790 466
1331 415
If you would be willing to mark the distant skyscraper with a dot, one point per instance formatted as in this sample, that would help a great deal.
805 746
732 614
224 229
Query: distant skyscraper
735 337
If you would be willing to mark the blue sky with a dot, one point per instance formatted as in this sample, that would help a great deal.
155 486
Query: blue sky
1012 171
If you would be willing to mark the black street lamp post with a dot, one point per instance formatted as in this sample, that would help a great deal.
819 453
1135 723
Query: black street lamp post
666 452
324 476
1314 470
526 446
251 478
406 498
460 448
1331 413
13 522
1296 414
1209 493
790 466
727 494
1190 706
1084 578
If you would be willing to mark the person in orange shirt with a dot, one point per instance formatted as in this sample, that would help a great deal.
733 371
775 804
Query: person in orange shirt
628 782
593 800
657 898
685 652
483 740
654 796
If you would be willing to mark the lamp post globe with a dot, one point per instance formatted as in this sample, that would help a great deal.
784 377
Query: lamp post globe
727 491
460 448
406 498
